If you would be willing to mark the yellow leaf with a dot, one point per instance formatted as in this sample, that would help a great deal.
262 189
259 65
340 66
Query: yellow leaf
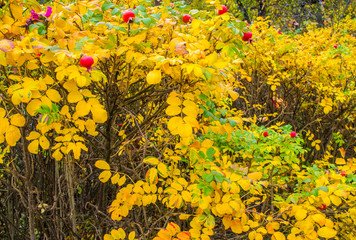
192 121
2 113
132 235
53 95
16 10
183 235
335 200
115 178
245 184
32 65
326 232
235 205
61 57
154 77
81 81
173 110
190 111
162 170
17 120
151 176
108 237
57 155
33 135
236 226
185 130
340 161
173 124
320 219
278 236
173 228
33 147
83 108
99 114
44 142
255 176
184 216
152 160
227 221
12 135
177 186
104 176
122 180
174 100
301 214
101 164
186 196
33 106
118 234
74 96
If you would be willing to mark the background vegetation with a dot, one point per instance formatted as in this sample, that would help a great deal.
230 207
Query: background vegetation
179 130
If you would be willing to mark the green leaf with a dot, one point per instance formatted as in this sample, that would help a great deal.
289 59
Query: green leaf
107 6
323 188
208 177
46 108
232 122
223 121
219 178
147 21
141 8
206 191
210 152
156 16
308 180
207 74
55 108
42 31
115 11
202 154
203 97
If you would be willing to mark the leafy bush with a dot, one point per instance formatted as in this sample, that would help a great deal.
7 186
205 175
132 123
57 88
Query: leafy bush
185 124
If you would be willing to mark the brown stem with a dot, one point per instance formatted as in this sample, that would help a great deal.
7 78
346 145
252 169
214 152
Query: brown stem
28 184
69 178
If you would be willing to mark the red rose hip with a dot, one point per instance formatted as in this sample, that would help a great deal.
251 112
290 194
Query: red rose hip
335 46
265 134
343 173
128 16
86 61
222 10
247 36
186 18
322 207
293 134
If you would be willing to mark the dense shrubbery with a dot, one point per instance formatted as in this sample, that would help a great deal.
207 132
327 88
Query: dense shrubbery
192 132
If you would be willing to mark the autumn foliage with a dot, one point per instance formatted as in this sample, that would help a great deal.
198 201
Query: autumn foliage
123 120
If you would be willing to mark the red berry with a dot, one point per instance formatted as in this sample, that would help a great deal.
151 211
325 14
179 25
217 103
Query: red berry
265 134
293 134
279 32
322 207
128 16
247 36
343 173
186 18
335 46
86 61
222 10
120 125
